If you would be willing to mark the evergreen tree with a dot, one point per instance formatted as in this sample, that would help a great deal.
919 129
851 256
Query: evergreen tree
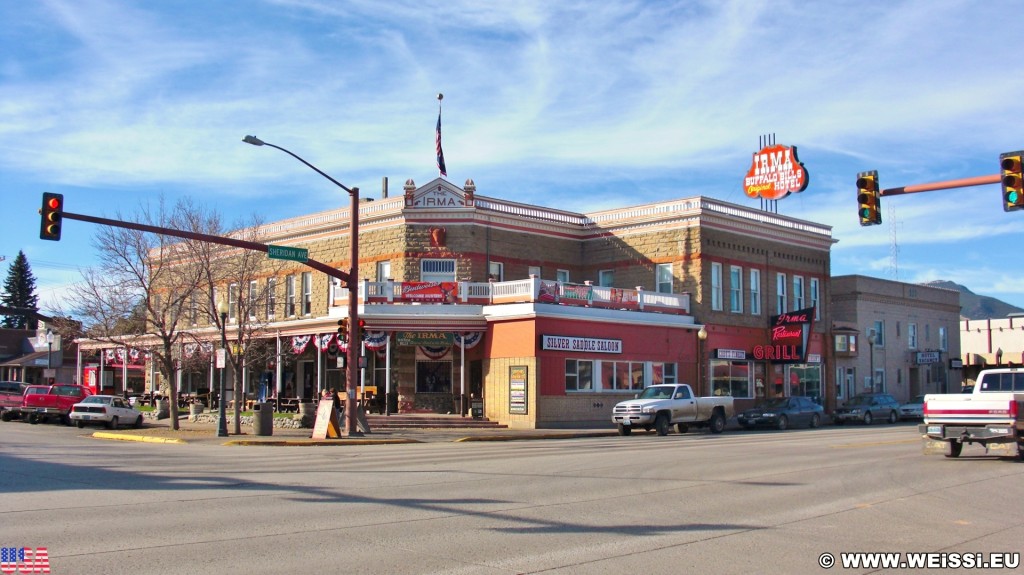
19 292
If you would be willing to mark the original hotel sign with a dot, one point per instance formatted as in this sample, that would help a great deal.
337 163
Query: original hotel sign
775 173
581 344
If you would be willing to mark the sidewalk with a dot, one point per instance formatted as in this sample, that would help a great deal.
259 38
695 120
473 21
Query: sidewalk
159 431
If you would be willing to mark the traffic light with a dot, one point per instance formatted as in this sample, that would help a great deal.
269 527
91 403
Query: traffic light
52 212
1012 181
361 334
343 330
869 199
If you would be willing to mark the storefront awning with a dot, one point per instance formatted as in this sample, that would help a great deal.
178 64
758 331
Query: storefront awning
35 359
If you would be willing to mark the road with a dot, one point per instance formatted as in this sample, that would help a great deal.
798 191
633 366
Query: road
741 502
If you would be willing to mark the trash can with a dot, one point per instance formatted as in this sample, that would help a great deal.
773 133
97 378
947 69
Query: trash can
263 418
477 408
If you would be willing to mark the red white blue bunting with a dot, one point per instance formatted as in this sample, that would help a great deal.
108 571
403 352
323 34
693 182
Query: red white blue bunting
468 339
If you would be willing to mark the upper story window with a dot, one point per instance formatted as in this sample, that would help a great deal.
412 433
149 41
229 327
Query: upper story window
755 292
562 276
716 286
780 295
815 297
437 270
798 292
878 331
912 336
496 271
533 271
606 278
735 289
383 271
289 295
943 342
307 293
232 301
271 296
663 278
252 299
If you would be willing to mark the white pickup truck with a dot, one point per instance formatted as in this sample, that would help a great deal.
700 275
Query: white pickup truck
661 406
991 415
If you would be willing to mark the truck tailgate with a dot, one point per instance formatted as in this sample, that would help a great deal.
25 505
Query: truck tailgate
972 409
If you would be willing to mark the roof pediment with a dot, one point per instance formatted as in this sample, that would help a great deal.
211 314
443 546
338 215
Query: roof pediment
439 194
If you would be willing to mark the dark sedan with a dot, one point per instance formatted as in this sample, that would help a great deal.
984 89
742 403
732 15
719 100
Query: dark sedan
782 412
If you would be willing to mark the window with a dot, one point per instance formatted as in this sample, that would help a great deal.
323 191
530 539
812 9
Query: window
842 343
383 271
815 298
289 295
252 299
232 301
213 304
533 271
622 375
193 309
735 289
879 333
663 373
716 286
562 276
806 380
755 292
942 339
579 375
798 292
437 270
307 292
730 378
606 278
912 336
271 297
780 296
496 271
663 278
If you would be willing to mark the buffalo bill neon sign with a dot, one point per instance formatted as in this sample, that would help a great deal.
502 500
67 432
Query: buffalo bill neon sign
775 173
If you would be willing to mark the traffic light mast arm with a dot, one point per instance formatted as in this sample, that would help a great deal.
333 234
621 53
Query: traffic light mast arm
319 266
946 185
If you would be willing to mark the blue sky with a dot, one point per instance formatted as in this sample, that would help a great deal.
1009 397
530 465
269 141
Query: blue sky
574 105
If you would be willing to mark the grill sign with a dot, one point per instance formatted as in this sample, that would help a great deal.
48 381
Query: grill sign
775 173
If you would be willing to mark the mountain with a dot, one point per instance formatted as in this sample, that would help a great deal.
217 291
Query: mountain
974 306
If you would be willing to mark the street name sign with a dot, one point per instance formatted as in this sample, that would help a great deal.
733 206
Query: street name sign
287 253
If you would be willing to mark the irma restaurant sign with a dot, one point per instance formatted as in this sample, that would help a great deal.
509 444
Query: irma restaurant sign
789 334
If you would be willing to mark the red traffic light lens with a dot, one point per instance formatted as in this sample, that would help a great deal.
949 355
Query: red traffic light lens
53 203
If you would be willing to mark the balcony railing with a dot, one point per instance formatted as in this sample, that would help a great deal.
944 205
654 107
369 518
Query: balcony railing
518 291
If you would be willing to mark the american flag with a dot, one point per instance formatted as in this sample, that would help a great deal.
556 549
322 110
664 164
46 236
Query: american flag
440 153
24 560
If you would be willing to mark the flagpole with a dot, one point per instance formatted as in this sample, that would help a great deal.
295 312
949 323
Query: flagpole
437 140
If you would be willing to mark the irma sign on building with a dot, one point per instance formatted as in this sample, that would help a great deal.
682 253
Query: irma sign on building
775 173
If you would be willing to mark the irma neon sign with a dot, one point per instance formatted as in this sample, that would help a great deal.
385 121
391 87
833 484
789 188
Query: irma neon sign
789 335
775 173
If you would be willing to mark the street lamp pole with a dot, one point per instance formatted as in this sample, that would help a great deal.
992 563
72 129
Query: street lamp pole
350 427
222 416
871 352
49 350
702 336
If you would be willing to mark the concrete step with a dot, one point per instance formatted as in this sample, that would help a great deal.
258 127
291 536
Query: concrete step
429 421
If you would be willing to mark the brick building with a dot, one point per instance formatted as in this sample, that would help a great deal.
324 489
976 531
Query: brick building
548 316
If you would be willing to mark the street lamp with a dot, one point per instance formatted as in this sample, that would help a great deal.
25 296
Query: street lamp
871 352
222 416
702 336
350 426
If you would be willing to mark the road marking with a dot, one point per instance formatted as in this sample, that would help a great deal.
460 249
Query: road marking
873 443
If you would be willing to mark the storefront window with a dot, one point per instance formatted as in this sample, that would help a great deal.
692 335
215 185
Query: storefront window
579 375
730 378
805 380
663 373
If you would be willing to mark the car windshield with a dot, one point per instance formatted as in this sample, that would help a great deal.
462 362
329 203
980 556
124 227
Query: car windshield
918 399
657 392
774 402
860 400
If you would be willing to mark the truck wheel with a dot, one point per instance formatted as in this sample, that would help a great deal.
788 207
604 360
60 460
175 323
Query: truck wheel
783 423
682 428
33 419
868 419
717 423
661 424
625 429
955 447
5 416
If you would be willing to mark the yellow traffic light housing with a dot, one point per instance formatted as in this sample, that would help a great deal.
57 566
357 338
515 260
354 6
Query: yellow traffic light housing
869 199
1011 181
343 331
52 213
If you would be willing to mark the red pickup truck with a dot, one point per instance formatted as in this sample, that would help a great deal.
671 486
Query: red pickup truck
42 402
10 399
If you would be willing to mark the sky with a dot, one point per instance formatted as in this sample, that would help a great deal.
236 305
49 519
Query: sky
575 105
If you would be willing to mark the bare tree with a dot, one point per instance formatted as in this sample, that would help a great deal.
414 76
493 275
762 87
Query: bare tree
139 294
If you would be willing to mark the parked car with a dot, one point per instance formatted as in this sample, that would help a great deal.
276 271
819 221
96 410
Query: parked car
110 410
40 403
10 399
913 409
782 412
867 407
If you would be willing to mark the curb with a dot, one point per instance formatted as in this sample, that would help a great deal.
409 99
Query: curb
318 442
531 437
142 438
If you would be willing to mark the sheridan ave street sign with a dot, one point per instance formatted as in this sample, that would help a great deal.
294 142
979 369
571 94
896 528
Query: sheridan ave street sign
287 253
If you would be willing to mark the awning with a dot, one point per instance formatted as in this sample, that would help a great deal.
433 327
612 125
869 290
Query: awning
35 359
